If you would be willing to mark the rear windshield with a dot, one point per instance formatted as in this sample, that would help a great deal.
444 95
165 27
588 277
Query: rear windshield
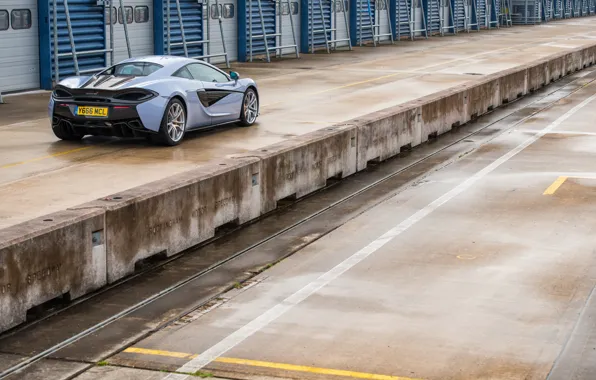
137 69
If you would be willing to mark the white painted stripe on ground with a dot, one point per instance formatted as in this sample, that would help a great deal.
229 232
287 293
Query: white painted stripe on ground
278 310
561 132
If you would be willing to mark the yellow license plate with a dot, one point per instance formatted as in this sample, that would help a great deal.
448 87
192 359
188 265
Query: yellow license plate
92 111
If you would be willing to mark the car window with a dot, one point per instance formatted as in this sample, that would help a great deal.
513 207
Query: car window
206 74
183 73
138 69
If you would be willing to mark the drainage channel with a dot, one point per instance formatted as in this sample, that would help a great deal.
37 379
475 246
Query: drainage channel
111 320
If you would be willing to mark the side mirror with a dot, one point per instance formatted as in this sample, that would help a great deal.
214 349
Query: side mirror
234 75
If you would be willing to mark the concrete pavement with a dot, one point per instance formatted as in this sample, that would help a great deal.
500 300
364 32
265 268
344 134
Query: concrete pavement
481 270
40 175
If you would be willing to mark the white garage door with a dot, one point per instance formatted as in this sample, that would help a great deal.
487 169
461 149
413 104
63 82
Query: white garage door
19 45
228 11
139 20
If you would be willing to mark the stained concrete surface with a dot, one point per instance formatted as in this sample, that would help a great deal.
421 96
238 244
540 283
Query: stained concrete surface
490 285
119 373
40 175
43 370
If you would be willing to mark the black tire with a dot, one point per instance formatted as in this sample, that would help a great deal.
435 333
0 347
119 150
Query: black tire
67 133
245 120
163 137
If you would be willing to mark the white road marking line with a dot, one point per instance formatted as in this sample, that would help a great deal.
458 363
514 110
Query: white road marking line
278 310
561 132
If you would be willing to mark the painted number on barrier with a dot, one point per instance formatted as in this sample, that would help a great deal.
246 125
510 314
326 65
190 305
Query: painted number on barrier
223 202
161 226
52 271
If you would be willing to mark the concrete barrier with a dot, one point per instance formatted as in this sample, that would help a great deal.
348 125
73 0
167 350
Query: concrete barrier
61 255
171 215
296 167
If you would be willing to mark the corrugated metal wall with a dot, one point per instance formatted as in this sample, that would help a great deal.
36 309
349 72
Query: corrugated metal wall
89 34
251 27
191 13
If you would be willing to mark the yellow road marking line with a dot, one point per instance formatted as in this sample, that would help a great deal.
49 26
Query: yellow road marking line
146 351
257 363
44 157
555 186
301 368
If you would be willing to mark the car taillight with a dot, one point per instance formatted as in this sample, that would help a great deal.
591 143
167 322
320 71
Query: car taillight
135 96
61 94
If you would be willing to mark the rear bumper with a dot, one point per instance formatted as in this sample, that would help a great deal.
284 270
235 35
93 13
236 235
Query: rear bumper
122 120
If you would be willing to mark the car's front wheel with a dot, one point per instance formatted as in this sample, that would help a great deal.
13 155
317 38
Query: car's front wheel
173 124
250 108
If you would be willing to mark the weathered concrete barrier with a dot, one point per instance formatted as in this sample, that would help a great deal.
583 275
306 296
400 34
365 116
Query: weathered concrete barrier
173 214
296 167
60 255
82 249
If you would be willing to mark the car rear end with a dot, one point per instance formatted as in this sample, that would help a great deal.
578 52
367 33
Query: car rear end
92 111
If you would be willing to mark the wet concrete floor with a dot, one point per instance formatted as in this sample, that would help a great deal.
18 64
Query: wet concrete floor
485 269
40 175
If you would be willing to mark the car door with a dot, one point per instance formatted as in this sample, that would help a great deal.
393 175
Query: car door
198 117
221 96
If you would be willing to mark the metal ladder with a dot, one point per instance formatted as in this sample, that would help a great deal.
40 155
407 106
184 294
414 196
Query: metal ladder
265 36
494 10
384 7
73 51
506 19
424 24
457 17
326 31
185 42
480 13
434 9
557 9
576 8
547 10
371 25
404 8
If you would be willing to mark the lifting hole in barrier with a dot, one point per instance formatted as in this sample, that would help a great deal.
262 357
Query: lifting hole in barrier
222 164
226 228
374 162
406 148
151 261
334 179
116 198
286 201
47 307
48 220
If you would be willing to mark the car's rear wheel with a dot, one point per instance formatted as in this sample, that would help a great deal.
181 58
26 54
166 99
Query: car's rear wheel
66 132
250 108
173 124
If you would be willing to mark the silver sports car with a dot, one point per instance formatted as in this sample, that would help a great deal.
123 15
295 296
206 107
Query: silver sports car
160 97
